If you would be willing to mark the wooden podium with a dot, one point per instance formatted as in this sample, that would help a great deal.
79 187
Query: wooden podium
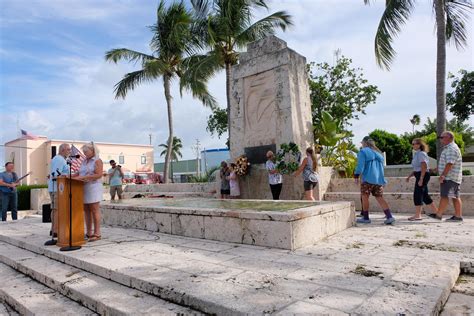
77 191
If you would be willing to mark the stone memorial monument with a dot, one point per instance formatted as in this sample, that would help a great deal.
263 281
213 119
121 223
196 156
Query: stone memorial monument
270 105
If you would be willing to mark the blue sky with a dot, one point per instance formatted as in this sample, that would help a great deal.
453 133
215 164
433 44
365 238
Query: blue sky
53 76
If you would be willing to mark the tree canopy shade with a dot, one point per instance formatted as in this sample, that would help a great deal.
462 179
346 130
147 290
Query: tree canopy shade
461 100
397 149
227 26
173 55
451 26
340 90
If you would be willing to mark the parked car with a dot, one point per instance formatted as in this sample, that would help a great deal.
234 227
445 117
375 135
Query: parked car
129 177
143 178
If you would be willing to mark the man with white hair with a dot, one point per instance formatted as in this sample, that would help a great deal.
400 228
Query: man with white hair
59 167
450 178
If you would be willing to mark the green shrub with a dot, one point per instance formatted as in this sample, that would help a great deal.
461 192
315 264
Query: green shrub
397 149
24 194
431 141
466 172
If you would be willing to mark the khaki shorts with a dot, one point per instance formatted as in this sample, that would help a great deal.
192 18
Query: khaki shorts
116 189
53 196
374 189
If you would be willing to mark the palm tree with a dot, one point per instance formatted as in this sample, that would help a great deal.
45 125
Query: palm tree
175 151
226 26
415 120
451 19
173 46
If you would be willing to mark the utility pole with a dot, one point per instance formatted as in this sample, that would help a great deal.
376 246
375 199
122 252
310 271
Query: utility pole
149 135
197 149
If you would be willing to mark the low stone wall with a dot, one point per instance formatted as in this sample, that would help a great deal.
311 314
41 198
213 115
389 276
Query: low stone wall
257 187
303 224
172 187
399 194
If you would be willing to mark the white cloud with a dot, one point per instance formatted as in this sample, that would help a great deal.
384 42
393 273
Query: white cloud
77 102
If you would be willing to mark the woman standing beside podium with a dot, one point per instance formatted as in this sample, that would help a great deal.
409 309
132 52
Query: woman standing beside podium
91 173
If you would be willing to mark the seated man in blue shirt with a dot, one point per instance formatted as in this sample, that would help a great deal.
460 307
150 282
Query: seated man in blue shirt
8 184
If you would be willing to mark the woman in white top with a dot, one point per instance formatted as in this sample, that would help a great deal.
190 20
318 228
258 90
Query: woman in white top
420 164
275 178
91 173
309 168
234 182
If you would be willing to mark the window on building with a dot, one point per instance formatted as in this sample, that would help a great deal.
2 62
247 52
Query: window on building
53 151
121 159
143 159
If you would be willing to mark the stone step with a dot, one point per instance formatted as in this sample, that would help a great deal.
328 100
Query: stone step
98 294
29 297
171 187
131 194
400 202
6 310
398 184
228 279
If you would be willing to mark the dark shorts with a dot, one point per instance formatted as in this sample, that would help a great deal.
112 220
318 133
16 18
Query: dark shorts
450 189
374 189
309 185
225 192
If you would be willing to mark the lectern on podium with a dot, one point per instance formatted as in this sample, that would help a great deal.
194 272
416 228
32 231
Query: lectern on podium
66 237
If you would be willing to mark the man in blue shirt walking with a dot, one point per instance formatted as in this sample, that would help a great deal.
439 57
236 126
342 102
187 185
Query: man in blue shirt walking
8 184
370 168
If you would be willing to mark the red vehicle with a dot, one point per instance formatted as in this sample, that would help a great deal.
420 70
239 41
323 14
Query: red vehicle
128 177
143 178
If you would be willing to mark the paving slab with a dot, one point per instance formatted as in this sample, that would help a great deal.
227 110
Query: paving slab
29 297
98 294
356 271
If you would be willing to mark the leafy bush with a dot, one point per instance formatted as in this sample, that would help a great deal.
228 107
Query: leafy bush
466 172
209 176
397 149
431 141
24 195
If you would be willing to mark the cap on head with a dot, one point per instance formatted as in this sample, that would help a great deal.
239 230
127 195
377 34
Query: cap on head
366 139
112 161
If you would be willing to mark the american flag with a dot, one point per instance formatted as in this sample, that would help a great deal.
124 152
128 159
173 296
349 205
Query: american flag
76 162
26 135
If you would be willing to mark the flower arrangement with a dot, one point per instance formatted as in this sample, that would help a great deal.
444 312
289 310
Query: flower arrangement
243 166
287 158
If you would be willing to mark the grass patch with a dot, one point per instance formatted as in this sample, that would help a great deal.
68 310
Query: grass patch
362 270
420 235
355 245
424 245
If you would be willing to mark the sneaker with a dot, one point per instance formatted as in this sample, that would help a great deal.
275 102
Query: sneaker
454 219
363 221
389 221
435 216
359 215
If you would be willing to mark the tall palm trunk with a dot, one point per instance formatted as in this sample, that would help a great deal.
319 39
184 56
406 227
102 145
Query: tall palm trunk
166 84
440 71
228 76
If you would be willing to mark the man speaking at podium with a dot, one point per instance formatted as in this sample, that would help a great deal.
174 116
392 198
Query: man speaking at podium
59 167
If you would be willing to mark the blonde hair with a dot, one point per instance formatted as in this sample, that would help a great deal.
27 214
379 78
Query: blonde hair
314 158
91 146
423 146
371 144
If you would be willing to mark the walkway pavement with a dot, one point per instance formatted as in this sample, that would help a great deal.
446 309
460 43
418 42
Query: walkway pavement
407 268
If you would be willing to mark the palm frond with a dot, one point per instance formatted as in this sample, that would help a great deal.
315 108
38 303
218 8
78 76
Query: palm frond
264 27
457 17
130 81
396 14
114 55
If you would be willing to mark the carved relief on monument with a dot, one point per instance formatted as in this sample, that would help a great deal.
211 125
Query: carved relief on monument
260 108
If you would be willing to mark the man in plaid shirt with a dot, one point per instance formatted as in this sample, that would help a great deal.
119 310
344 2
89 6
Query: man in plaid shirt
450 178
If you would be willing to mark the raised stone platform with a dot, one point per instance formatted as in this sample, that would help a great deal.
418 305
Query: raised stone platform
279 224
